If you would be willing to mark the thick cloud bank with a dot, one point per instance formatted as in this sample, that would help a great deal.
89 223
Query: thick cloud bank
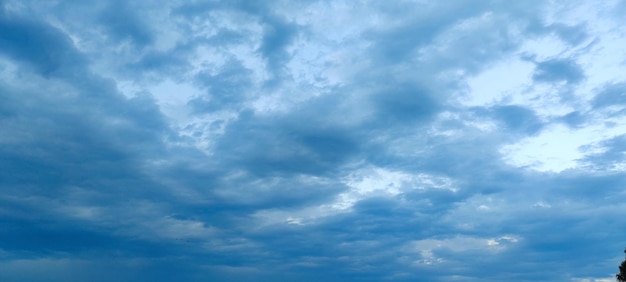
312 140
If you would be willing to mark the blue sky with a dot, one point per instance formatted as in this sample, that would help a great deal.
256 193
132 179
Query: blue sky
312 140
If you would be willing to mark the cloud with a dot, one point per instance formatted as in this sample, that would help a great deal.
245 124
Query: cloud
518 119
41 46
298 143
122 23
574 35
308 141
612 94
555 70
277 36
225 89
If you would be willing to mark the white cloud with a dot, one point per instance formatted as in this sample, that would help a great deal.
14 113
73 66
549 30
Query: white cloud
558 147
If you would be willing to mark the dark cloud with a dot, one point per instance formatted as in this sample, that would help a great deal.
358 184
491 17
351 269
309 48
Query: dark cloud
372 171
420 25
404 103
518 118
277 32
556 70
611 156
571 34
43 47
161 61
568 33
123 23
225 89
226 37
613 94
574 119
286 144
277 36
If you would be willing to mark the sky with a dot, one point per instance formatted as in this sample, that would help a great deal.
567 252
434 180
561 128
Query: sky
312 140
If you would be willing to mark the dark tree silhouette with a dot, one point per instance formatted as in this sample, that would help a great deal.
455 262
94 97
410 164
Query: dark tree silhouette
621 276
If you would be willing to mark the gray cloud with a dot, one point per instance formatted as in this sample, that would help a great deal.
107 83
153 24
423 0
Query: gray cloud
555 70
370 167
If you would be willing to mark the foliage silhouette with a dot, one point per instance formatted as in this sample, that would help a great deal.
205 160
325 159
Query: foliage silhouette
621 276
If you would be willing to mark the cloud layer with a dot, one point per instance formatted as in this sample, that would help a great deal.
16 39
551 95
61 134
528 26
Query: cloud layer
311 141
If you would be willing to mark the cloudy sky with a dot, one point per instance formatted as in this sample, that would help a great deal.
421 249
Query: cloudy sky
312 140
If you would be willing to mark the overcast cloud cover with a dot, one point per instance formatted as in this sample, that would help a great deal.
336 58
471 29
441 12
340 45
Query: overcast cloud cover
312 140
